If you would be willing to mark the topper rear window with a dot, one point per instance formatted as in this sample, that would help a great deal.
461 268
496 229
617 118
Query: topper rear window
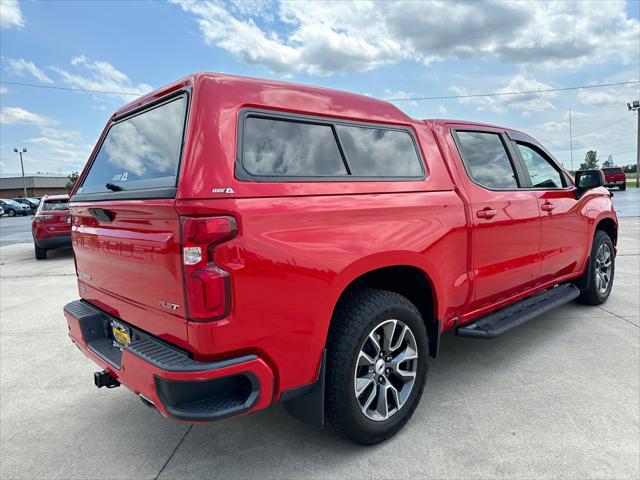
139 152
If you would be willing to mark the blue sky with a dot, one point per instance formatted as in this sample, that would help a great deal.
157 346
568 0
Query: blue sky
383 49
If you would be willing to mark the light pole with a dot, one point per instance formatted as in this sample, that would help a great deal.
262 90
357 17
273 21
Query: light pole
636 107
571 142
24 184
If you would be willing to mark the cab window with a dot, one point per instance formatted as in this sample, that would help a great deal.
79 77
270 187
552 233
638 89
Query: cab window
541 170
486 160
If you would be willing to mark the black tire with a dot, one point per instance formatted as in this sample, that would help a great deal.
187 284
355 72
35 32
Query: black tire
11 213
354 319
594 295
41 253
623 188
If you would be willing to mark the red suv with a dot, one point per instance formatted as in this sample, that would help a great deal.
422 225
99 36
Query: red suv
51 225
240 242
614 177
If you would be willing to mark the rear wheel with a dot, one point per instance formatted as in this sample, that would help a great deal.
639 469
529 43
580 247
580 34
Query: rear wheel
376 366
601 270
623 187
41 253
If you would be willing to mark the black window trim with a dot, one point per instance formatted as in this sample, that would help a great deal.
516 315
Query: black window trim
511 155
242 174
517 137
141 193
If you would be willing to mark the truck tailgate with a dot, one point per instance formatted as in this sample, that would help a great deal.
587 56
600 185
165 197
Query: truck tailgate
129 264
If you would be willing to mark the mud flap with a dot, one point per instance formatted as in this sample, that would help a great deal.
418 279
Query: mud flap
307 403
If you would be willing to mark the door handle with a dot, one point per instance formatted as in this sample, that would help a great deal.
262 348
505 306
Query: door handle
547 207
486 212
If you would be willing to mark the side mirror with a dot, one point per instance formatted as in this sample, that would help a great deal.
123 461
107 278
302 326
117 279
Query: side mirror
588 179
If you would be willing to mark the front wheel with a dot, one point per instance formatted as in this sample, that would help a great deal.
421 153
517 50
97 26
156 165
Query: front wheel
376 366
11 213
601 270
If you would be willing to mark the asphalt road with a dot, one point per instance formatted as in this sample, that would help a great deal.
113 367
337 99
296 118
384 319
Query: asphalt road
558 397
627 203
15 230
18 229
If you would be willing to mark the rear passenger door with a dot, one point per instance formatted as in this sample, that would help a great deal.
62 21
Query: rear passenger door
563 229
505 219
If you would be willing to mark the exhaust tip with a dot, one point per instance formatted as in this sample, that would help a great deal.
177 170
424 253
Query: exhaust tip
149 403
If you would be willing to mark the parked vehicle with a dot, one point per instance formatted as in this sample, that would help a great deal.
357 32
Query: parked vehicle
32 203
51 225
240 242
13 208
615 177
1 211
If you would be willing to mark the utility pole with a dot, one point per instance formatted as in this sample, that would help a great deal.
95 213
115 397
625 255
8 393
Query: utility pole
24 183
570 141
636 106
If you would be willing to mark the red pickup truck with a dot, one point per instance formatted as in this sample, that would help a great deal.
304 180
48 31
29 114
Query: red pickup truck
614 177
240 242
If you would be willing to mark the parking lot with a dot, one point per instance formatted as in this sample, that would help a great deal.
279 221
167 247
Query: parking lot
15 230
558 397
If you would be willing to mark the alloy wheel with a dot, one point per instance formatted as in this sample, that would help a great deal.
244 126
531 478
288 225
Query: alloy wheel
603 268
385 370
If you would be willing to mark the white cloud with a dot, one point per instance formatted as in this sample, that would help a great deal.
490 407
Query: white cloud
57 149
442 109
10 14
17 115
619 95
391 95
575 114
3 89
56 133
51 142
20 66
531 102
78 60
552 127
327 37
101 76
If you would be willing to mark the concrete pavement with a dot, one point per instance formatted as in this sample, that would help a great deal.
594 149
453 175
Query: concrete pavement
558 397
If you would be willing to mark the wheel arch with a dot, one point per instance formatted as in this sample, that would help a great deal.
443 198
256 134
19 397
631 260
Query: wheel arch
610 227
406 279
607 223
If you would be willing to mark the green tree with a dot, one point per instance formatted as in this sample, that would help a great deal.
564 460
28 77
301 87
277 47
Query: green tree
590 161
73 178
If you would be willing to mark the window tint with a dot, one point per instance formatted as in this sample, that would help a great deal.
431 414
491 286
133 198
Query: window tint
50 205
610 171
486 160
377 152
542 173
142 151
288 148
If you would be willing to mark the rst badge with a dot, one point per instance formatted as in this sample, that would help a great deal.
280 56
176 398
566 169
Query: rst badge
170 306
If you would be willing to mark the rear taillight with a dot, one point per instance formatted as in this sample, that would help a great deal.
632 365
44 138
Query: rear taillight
208 287
43 218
